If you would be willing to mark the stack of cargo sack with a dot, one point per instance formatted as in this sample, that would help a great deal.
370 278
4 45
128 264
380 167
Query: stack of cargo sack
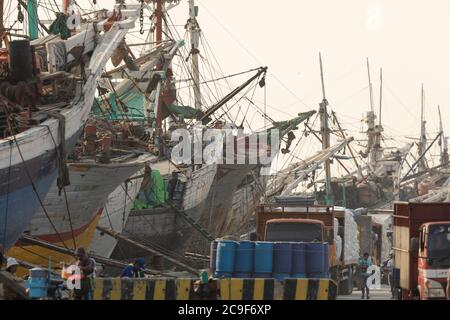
279 260
337 239
351 245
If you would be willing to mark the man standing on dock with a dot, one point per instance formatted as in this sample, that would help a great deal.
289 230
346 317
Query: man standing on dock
364 263
87 268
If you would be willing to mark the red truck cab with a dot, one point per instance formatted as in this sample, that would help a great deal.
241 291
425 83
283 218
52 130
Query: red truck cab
421 249
433 253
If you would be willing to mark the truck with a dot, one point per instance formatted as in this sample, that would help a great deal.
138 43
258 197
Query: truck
309 223
421 250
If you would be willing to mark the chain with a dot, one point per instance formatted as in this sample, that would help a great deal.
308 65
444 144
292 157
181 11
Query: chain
141 17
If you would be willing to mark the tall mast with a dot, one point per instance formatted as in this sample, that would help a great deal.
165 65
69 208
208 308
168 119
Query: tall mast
443 141
370 86
423 136
194 30
158 39
370 124
325 131
377 151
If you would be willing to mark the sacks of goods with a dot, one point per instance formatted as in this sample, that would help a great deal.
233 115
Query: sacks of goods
386 222
351 243
337 239
279 260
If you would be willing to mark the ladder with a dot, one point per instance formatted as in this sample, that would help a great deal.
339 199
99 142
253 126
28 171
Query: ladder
205 233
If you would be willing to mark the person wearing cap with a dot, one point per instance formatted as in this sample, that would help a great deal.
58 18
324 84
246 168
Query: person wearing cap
12 265
134 270
87 269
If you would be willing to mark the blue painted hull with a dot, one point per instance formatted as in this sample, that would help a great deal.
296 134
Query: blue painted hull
18 207
18 201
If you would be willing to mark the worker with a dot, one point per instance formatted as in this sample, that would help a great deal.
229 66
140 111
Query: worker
389 265
134 270
87 269
364 263
172 184
12 265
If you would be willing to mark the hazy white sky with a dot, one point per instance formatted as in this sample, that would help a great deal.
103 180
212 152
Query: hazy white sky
409 39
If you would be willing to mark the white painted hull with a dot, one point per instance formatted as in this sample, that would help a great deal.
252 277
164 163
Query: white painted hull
115 215
90 186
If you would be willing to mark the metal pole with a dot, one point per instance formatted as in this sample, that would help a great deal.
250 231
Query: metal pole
325 136
194 31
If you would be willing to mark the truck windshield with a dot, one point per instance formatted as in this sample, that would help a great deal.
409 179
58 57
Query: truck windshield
296 232
439 241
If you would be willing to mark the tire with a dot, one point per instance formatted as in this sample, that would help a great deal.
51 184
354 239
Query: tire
345 287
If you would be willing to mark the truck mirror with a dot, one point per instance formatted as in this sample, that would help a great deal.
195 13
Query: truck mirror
414 246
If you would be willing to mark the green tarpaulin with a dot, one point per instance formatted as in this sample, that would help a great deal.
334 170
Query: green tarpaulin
59 26
154 195
33 19
133 102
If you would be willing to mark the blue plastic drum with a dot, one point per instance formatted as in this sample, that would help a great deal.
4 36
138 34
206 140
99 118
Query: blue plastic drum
263 259
244 257
225 257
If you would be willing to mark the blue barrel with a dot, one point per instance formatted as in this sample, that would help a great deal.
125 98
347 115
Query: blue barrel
299 260
244 257
315 253
226 251
282 258
263 262
212 256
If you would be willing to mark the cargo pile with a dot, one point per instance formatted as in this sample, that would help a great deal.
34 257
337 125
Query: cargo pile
262 259
351 247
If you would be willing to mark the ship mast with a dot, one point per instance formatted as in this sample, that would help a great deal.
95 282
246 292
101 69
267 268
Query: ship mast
370 124
443 141
377 150
423 136
158 39
194 30
325 132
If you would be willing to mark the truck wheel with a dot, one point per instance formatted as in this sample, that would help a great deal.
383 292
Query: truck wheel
345 286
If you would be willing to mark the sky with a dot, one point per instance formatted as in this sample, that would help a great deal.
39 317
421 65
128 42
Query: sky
409 39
